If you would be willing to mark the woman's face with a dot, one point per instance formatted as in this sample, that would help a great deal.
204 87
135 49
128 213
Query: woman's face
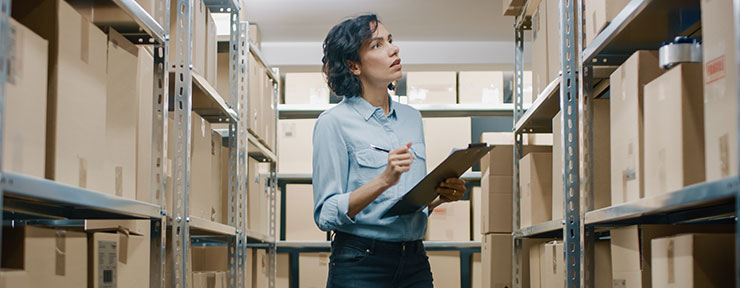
379 61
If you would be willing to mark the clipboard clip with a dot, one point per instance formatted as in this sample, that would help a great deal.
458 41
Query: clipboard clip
473 145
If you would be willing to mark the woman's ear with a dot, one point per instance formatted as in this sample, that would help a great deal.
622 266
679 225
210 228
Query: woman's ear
354 67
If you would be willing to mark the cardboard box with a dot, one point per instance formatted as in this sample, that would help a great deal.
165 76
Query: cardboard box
674 130
306 88
211 50
442 135
255 95
496 251
118 260
249 266
476 203
299 225
476 276
598 14
121 115
601 154
205 202
197 36
255 35
200 279
500 160
445 268
513 7
496 203
558 204
295 146
720 89
24 137
225 186
75 149
602 263
553 40
268 113
539 62
218 169
626 120
553 265
223 76
694 260
14 278
144 129
481 87
313 269
431 87
261 269
136 227
537 265
49 257
450 222
188 273
213 258
631 250
536 188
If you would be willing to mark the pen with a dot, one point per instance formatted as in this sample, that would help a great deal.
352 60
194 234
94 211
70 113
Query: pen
379 148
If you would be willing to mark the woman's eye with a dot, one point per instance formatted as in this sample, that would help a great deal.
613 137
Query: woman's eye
376 45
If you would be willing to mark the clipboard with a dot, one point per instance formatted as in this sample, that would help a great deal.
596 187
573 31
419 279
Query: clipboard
426 190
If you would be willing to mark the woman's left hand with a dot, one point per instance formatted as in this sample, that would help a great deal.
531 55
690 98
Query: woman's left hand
452 189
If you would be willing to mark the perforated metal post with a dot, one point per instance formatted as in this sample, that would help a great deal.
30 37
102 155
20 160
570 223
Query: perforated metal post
160 106
181 163
4 42
516 257
586 129
273 192
235 273
242 153
569 109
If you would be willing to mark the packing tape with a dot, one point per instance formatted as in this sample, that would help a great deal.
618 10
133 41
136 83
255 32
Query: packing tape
83 172
61 253
119 181
671 261
724 155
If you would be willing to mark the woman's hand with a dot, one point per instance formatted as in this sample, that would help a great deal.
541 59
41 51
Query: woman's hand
399 162
452 189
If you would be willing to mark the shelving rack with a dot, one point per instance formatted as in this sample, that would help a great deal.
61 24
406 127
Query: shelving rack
28 200
587 70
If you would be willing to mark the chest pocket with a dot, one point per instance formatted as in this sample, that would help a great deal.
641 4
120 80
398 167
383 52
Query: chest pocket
419 151
369 158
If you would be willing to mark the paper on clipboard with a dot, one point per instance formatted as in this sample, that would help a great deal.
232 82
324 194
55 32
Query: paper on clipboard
426 190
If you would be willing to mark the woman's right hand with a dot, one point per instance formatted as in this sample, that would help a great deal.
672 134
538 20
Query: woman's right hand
399 161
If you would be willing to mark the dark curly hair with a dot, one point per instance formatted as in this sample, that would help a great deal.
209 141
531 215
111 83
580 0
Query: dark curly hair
341 45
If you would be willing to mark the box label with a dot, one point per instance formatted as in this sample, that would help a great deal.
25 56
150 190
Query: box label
715 69
107 251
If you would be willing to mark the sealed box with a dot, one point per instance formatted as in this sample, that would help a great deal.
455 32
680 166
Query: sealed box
674 130
144 129
261 270
476 276
513 7
450 222
136 227
500 160
536 188
602 263
255 35
210 258
197 36
601 154
445 268
476 206
537 265
255 95
540 66
598 14
306 88
211 51
49 257
121 114
558 204
481 87
442 135
432 87
118 260
496 251
553 265
626 120
496 203
295 146
14 278
75 146
299 224
631 250
313 269
694 260
26 91
720 89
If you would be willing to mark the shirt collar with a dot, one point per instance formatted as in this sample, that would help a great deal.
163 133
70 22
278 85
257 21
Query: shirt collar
366 110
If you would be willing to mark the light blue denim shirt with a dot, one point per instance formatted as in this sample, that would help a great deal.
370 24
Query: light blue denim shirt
343 161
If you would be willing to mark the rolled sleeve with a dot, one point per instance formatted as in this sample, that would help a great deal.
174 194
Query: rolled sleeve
330 171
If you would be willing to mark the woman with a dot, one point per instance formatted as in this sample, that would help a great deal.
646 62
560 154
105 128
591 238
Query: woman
356 183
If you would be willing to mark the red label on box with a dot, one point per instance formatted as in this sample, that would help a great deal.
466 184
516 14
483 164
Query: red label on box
715 69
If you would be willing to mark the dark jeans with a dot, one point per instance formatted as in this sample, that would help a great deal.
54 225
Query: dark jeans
362 262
